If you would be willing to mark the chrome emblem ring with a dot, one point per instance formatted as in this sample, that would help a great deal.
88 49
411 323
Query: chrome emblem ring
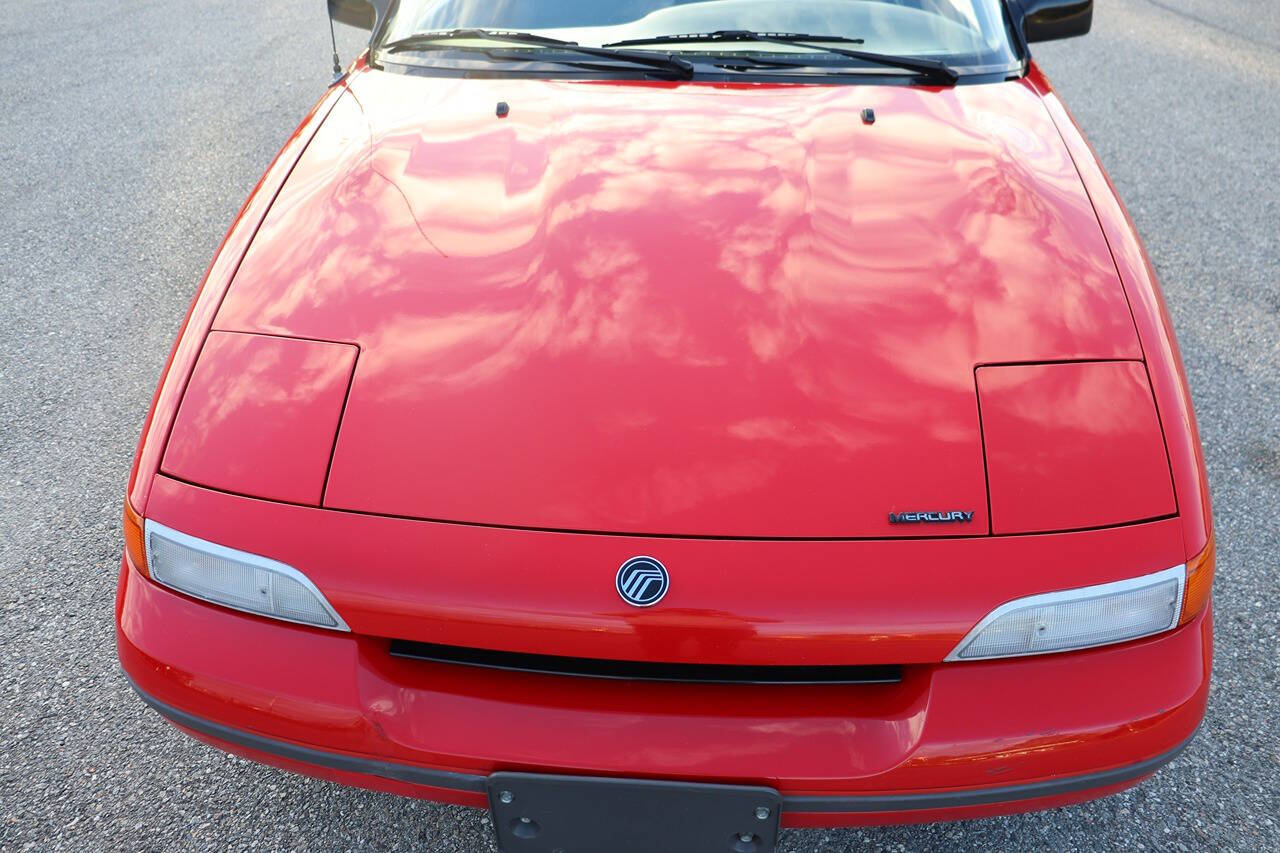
642 581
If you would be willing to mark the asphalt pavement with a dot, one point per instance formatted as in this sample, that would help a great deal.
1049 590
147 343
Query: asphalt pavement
130 133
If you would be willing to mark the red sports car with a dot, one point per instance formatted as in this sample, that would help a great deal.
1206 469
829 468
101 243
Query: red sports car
661 421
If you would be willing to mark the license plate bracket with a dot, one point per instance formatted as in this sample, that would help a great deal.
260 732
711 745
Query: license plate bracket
537 813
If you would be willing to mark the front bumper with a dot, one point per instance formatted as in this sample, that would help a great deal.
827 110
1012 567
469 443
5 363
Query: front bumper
949 741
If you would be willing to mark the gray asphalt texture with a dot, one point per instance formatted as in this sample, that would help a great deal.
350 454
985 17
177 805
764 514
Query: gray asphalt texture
131 132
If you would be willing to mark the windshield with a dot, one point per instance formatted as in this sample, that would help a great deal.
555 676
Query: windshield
968 35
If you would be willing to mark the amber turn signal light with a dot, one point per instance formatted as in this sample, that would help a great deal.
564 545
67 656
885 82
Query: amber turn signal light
134 545
1199 582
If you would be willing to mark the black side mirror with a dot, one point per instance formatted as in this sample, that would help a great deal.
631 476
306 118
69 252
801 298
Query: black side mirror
1047 20
356 13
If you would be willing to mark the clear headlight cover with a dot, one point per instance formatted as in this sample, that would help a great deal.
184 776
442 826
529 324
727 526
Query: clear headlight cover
1078 618
236 579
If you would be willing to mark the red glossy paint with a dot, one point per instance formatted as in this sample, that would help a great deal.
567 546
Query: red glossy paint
1072 446
208 298
250 396
731 601
696 310
730 326
944 727
1151 318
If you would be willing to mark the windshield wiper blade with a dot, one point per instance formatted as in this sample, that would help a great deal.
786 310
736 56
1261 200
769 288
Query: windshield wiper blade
734 35
927 67
672 65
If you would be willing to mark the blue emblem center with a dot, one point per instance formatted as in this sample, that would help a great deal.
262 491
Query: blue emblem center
642 581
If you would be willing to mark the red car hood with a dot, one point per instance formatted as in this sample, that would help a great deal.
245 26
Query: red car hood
737 311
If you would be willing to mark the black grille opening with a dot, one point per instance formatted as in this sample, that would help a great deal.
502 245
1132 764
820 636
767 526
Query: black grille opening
707 673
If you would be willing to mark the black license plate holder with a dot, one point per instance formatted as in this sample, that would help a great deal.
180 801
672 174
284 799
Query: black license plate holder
537 813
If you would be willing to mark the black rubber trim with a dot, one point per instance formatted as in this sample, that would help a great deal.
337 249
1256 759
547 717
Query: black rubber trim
836 804
984 796
319 757
630 670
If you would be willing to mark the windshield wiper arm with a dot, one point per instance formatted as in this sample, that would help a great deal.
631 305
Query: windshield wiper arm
927 67
672 65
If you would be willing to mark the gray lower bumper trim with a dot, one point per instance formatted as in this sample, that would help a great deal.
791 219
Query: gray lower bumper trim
319 757
835 804
983 796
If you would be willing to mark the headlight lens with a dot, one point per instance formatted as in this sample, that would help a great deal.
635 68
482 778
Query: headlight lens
1078 618
236 579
